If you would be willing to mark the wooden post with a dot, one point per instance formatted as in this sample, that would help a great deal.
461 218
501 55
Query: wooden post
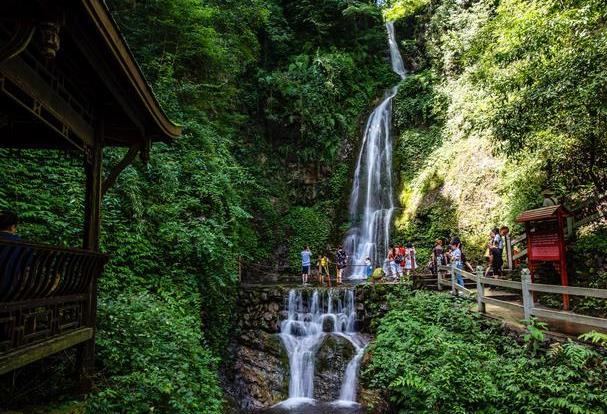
480 292
453 289
85 361
509 255
527 296
563 260
439 278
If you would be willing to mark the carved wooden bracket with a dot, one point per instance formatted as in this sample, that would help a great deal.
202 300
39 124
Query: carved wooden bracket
18 42
127 160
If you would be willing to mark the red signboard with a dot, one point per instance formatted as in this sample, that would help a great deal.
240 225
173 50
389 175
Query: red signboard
544 247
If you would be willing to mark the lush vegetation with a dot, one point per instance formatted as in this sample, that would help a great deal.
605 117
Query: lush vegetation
270 95
508 98
432 354
504 98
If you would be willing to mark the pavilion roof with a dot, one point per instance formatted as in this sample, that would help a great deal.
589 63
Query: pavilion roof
543 213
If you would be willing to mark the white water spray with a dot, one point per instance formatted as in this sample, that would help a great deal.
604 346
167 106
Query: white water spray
372 198
309 320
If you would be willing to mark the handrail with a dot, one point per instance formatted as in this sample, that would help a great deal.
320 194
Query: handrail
46 292
526 287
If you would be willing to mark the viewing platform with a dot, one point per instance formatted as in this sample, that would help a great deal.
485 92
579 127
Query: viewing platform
47 300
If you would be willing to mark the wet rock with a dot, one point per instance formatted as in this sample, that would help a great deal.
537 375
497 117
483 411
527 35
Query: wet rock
328 325
332 358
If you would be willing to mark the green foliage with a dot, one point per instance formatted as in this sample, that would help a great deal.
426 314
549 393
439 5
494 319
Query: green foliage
270 95
308 227
535 335
399 9
165 368
510 100
598 338
433 354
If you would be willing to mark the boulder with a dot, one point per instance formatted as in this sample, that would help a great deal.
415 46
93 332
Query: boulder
332 358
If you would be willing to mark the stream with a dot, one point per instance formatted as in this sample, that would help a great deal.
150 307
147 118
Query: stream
311 318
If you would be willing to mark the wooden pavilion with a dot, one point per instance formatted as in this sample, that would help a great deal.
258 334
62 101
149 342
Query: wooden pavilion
67 81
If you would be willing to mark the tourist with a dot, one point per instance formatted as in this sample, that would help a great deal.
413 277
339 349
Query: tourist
504 231
8 226
323 269
550 198
495 261
341 261
497 239
368 267
410 261
377 275
456 259
392 265
438 257
306 254
399 260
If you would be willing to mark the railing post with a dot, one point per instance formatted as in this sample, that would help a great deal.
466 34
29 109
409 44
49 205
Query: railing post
509 252
453 289
527 296
480 292
439 277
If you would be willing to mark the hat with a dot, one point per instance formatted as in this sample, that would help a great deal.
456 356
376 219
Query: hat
546 192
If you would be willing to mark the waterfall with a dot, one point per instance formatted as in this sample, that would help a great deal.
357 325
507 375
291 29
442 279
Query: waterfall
309 319
372 198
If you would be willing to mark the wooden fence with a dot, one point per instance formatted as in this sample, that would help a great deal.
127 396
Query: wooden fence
526 287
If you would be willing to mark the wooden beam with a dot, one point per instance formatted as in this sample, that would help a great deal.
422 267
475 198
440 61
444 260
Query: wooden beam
24 356
44 97
127 160
571 317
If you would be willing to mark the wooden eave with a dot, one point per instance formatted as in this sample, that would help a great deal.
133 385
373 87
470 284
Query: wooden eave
107 28
543 213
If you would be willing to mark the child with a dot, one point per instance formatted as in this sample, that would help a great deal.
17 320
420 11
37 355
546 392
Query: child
369 267
410 262
377 275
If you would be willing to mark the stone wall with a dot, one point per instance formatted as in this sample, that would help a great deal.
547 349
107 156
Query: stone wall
259 371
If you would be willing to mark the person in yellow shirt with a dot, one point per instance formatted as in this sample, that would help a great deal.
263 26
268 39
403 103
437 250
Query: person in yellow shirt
323 269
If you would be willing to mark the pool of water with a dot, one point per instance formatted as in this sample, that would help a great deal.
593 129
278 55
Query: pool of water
309 406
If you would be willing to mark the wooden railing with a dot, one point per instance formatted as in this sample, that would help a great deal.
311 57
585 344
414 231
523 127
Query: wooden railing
47 300
526 288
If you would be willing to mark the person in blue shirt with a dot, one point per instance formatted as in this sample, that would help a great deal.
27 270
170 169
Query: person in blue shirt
456 257
306 254
8 227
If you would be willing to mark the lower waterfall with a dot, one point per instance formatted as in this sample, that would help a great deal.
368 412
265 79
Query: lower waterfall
312 316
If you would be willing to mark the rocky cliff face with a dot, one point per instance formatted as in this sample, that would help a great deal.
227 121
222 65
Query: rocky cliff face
259 372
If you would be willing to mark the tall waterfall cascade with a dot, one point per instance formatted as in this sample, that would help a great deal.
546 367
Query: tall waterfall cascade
311 316
372 198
